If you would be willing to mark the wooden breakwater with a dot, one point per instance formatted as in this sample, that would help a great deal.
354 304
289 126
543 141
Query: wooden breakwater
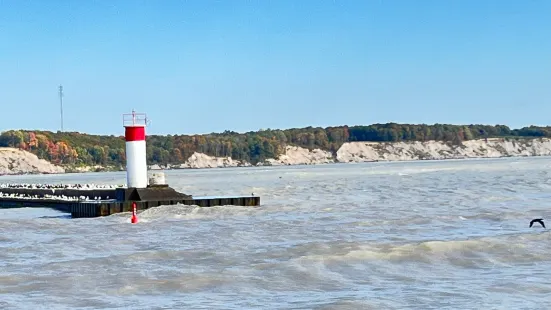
120 200
105 208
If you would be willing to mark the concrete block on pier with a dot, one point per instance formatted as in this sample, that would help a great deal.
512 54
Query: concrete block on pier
157 178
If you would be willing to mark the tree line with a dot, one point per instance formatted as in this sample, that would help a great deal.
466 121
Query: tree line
79 149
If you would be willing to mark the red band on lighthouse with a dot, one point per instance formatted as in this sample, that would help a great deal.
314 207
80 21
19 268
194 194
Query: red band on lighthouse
134 133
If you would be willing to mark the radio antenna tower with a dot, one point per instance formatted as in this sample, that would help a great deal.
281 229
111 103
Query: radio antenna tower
61 104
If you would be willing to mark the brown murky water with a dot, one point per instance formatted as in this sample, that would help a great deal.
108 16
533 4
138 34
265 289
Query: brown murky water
415 235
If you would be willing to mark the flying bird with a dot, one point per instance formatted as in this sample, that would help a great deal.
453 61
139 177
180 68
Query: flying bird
537 221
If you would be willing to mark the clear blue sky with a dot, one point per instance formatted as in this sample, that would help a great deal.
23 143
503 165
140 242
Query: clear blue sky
207 66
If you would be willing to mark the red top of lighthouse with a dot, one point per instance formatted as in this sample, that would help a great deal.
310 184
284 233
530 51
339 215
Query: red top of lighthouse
135 126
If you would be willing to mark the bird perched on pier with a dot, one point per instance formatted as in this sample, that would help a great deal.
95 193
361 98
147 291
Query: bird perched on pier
540 221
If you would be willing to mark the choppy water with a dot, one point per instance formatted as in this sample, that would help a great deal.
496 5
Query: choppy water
416 235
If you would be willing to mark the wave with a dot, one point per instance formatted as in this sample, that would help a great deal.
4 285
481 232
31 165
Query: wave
183 212
468 253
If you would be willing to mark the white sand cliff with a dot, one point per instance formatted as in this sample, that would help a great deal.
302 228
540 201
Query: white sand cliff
15 161
295 155
370 151
395 151
200 160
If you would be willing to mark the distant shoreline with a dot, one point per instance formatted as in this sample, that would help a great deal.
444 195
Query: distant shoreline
20 162
268 164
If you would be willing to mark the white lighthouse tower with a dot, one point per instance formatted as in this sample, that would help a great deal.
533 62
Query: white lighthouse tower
136 160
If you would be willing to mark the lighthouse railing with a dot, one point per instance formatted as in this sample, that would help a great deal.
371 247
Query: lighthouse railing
134 119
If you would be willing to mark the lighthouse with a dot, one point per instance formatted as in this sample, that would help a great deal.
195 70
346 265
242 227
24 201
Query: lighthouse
136 163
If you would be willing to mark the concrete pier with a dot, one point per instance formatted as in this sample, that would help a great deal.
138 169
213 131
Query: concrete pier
122 200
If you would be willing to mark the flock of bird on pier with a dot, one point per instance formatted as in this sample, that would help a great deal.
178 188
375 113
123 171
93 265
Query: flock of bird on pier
49 197
60 186
55 187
